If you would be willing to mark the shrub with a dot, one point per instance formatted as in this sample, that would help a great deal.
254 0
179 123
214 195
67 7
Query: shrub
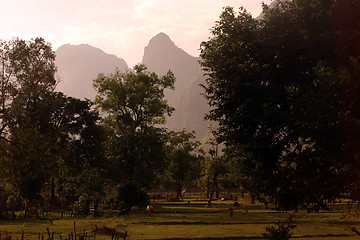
81 206
130 194
282 232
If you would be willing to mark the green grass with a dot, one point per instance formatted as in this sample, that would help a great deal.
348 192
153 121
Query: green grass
180 220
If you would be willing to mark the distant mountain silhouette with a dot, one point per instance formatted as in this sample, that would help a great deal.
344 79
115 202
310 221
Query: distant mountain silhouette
162 55
79 65
271 5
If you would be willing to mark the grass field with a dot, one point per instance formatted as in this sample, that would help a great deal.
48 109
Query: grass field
181 220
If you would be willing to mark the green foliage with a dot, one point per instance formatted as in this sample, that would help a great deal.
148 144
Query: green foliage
44 135
13 202
85 166
214 168
26 116
282 232
134 105
284 90
232 177
182 160
130 194
81 206
133 100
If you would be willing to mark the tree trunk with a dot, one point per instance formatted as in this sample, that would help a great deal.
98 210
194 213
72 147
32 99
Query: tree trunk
52 189
252 199
178 189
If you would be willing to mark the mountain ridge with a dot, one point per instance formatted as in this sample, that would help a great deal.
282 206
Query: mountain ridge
161 55
79 65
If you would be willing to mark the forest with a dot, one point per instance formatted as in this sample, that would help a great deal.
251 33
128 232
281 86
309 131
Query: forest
284 90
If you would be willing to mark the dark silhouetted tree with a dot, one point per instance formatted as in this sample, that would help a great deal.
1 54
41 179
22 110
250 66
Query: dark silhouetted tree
285 90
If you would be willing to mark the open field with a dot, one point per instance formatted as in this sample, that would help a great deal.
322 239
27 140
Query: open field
184 220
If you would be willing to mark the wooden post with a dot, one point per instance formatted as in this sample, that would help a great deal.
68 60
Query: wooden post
74 230
113 233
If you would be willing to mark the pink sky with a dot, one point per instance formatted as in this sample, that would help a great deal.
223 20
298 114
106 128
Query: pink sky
120 27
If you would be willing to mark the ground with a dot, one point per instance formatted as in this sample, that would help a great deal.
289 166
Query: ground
189 219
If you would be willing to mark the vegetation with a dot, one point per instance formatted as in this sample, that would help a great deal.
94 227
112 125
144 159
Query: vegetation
181 220
129 195
184 164
280 233
284 89
134 105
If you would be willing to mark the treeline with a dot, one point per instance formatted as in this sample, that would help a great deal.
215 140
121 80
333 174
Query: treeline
284 89
59 151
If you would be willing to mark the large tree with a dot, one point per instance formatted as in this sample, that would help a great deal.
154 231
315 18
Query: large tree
40 127
183 161
134 107
27 74
27 94
285 90
84 168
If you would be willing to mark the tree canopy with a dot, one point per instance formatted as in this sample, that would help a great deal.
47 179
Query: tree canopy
134 106
283 87
40 127
183 162
285 91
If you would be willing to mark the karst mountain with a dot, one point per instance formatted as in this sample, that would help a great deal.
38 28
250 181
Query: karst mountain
79 65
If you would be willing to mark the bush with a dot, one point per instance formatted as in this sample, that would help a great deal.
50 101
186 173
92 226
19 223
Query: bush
282 232
130 194
109 202
81 206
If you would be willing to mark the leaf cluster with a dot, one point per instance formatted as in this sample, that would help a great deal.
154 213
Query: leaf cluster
283 88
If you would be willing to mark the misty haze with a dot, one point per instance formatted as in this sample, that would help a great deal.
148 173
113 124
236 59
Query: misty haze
154 119
79 65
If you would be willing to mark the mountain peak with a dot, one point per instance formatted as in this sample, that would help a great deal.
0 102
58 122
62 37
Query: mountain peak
82 50
162 36
79 65
161 55
161 41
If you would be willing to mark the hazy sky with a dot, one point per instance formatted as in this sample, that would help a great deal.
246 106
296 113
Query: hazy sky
120 27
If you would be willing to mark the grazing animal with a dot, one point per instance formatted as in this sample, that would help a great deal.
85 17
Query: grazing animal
290 217
246 209
134 209
110 211
124 211
32 212
231 212
150 209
